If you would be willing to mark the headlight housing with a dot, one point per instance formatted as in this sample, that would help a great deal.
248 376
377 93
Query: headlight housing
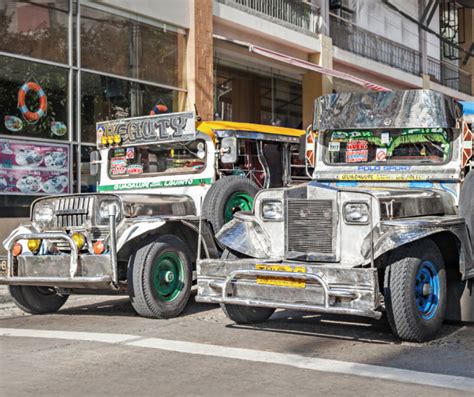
43 213
272 210
356 213
105 206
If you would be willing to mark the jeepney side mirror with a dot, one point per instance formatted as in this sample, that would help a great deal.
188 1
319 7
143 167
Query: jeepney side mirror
228 150
94 163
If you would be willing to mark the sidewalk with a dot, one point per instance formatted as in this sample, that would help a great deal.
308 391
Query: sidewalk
4 294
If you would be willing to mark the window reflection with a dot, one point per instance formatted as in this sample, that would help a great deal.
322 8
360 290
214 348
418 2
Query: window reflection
38 30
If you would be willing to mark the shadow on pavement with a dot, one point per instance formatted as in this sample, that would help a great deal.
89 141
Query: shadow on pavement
121 306
351 328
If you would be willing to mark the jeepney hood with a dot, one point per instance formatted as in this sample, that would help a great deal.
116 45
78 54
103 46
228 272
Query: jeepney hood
135 205
399 202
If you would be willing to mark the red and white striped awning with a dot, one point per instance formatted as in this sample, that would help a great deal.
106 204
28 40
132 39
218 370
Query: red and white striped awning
315 68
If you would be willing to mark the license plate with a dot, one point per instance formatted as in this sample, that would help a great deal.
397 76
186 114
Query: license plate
281 281
3 267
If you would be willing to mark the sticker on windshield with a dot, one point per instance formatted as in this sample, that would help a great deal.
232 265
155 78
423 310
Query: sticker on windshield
381 154
130 153
135 169
334 146
385 138
357 144
119 152
357 156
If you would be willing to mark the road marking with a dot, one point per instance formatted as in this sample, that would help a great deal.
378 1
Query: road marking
292 360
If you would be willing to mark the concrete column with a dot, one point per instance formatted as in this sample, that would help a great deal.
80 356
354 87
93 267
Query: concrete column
317 84
200 60
467 24
426 80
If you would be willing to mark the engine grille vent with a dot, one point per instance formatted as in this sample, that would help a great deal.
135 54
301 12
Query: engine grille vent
73 211
310 226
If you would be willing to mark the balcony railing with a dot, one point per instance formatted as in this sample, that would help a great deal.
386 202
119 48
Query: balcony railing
352 38
294 14
449 75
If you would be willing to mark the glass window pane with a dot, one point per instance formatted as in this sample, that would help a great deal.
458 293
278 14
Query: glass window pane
107 98
88 182
33 99
38 30
139 50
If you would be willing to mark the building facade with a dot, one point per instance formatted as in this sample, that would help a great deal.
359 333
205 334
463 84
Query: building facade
66 64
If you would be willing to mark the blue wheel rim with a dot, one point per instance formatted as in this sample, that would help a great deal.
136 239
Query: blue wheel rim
427 290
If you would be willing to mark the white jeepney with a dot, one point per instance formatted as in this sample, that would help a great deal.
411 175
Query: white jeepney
161 178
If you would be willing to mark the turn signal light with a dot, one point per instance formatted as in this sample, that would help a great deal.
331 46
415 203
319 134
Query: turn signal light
79 240
17 248
98 247
34 245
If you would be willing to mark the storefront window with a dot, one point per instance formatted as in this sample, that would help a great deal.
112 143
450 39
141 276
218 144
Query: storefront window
107 98
88 182
253 97
33 99
126 47
38 30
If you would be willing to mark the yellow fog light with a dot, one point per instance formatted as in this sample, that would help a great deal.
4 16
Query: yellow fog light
79 240
117 139
103 140
110 140
34 245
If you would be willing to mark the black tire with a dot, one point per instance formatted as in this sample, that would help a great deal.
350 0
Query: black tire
37 300
147 284
219 195
405 265
247 314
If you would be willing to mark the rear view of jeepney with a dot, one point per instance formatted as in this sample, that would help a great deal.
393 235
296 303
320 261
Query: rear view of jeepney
159 176
386 225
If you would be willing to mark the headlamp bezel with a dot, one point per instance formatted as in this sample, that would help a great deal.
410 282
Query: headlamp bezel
362 204
271 202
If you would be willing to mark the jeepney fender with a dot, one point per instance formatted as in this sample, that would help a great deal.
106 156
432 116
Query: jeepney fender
389 235
137 229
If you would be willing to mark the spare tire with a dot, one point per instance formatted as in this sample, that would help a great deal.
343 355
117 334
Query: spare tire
226 197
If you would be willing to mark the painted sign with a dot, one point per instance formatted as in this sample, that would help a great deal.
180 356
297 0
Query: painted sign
155 184
157 128
33 169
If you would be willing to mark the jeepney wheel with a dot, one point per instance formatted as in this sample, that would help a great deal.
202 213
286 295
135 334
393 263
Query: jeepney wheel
247 314
226 197
37 300
415 291
160 278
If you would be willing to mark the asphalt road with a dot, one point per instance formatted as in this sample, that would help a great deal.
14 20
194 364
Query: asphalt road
98 345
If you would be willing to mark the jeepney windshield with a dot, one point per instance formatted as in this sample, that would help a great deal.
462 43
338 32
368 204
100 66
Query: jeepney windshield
157 159
422 145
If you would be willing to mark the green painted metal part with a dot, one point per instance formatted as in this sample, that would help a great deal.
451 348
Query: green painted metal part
167 276
239 201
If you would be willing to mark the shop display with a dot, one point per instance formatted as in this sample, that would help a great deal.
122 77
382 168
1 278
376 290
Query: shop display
28 115
33 168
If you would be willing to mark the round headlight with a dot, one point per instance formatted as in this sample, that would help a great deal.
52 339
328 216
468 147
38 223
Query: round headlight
43 213
272 210
106 207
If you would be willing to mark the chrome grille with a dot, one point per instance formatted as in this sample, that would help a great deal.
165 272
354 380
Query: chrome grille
73 211
310 226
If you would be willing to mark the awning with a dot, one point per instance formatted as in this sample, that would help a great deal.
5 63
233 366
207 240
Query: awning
314 68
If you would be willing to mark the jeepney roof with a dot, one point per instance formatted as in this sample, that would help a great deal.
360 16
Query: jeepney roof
391 109
211 127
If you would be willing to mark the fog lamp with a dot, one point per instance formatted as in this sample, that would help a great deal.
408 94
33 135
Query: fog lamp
79 240
117 139
34 245
98 247
103 140
17 248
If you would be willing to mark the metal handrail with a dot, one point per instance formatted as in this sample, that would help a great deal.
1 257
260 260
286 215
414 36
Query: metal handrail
302 15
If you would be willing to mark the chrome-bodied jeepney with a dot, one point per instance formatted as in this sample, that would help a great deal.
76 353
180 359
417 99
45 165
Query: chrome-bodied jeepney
386 224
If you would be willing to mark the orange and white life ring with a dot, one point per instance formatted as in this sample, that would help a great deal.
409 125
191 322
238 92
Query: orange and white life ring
28 115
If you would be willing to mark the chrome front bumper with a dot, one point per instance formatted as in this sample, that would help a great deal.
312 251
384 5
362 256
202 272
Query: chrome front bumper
353 291
72 270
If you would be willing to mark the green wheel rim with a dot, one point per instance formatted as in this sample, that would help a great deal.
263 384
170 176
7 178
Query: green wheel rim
167 276
237 202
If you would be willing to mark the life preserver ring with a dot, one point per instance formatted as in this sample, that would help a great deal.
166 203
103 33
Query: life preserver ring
43 103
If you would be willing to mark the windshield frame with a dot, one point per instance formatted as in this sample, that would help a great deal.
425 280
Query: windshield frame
413 163
158 174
